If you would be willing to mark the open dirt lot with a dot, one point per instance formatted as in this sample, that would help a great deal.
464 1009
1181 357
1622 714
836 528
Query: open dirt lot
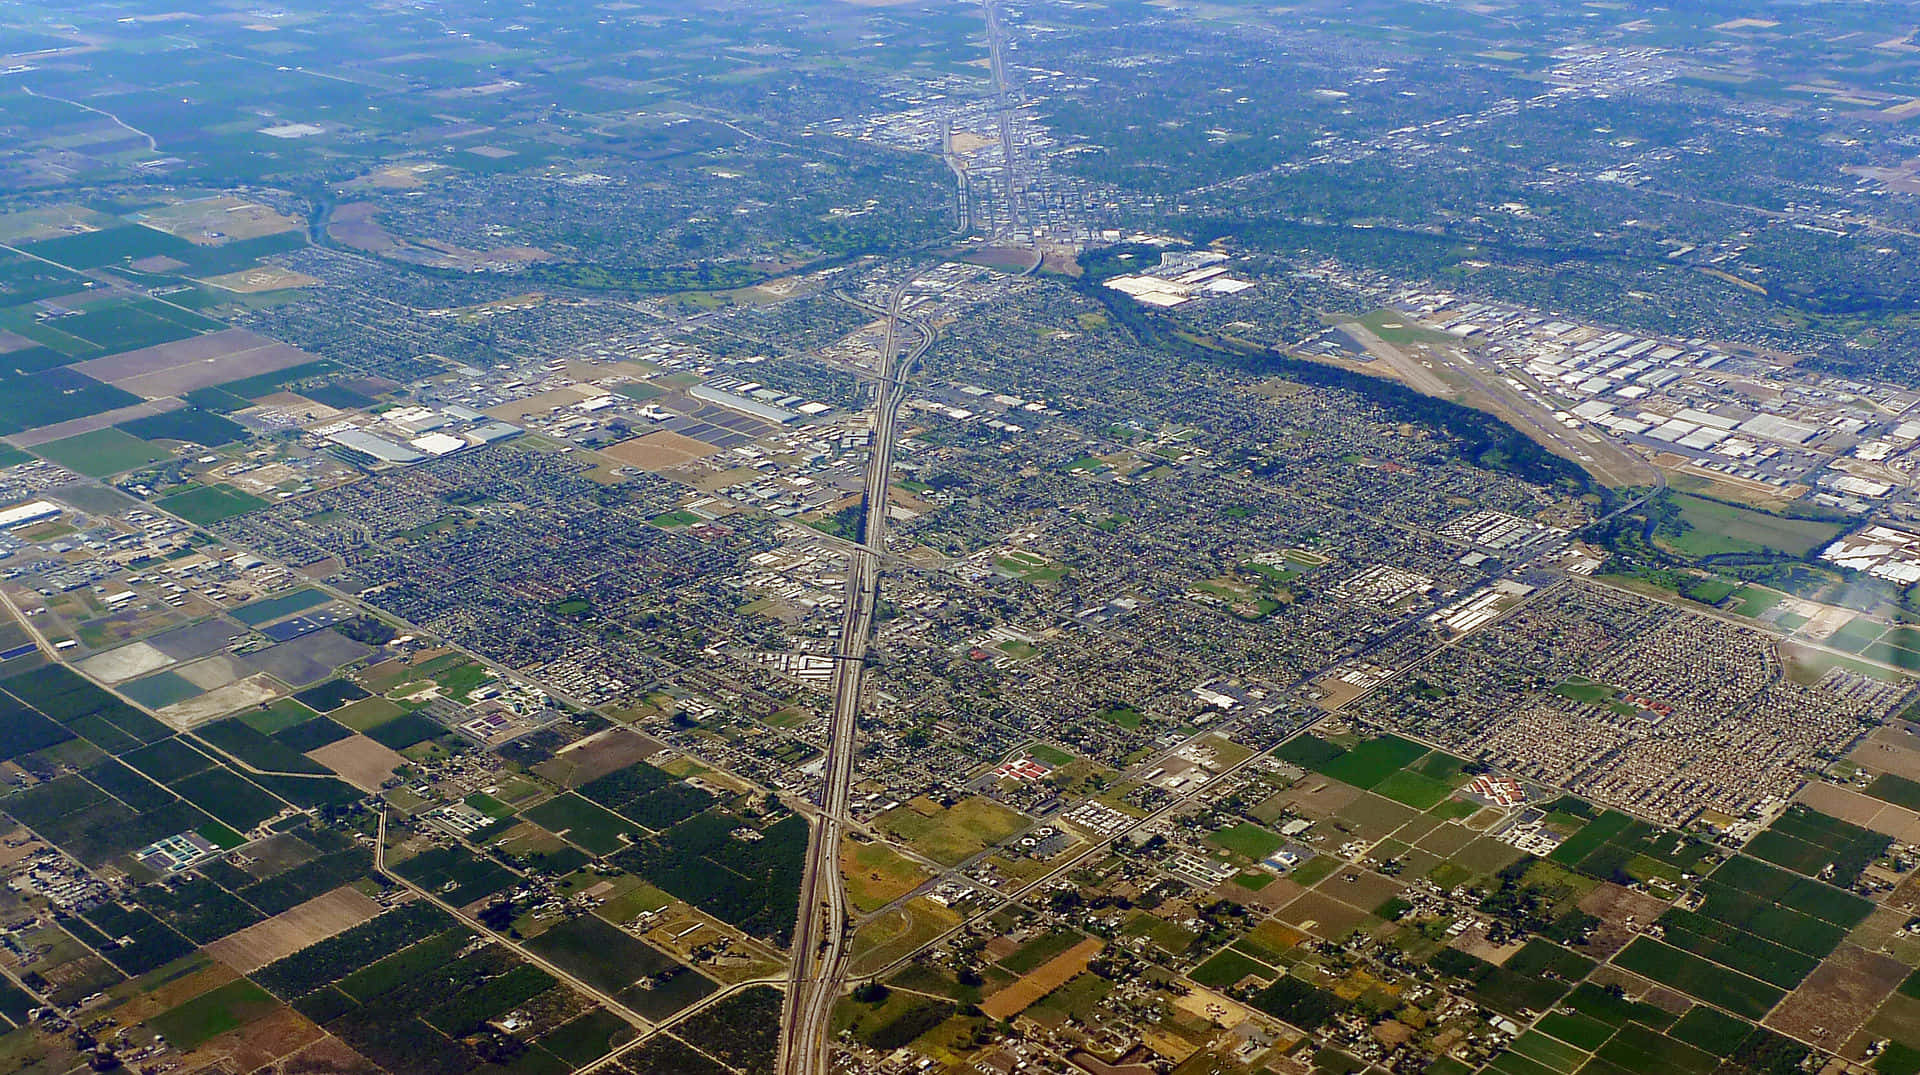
1614 906
328 1056
1863 810
354 224
260 1042
541 403
119 665
659 450
596 756
212 673
1319 797
218 703
307 659
1890 750
289 931
197 640
1328 918
1361 888
1838 996
361 761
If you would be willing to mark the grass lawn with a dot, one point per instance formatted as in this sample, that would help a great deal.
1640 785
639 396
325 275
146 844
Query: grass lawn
1050 755
1755 600
1400 329
1585 690
1030 567
457 681
1248 840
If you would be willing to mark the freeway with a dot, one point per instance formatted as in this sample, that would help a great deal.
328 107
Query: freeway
820 931
1004 103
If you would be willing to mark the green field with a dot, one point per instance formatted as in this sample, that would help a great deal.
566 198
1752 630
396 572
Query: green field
1035 954
212 1014
1414 789
209 503
1710 591
367 714
1248 840
1716 529
90 250
102 453
1713 1031
1896 789
277 717
1365 766
1816 845
1229 966
1553 1053
1754 601
1577 689
1736 993
596 829
601 955
1400 329
1857 634
1582 1031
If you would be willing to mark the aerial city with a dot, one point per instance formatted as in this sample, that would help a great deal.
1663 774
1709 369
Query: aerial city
960 537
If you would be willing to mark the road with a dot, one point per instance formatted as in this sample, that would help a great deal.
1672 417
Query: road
821 932
1004 104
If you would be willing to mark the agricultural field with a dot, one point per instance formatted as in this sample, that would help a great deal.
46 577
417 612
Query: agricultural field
102 453
455 427
1625 946
752 885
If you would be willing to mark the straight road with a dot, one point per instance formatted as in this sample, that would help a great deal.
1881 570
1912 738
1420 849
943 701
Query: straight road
1004 104
820 934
